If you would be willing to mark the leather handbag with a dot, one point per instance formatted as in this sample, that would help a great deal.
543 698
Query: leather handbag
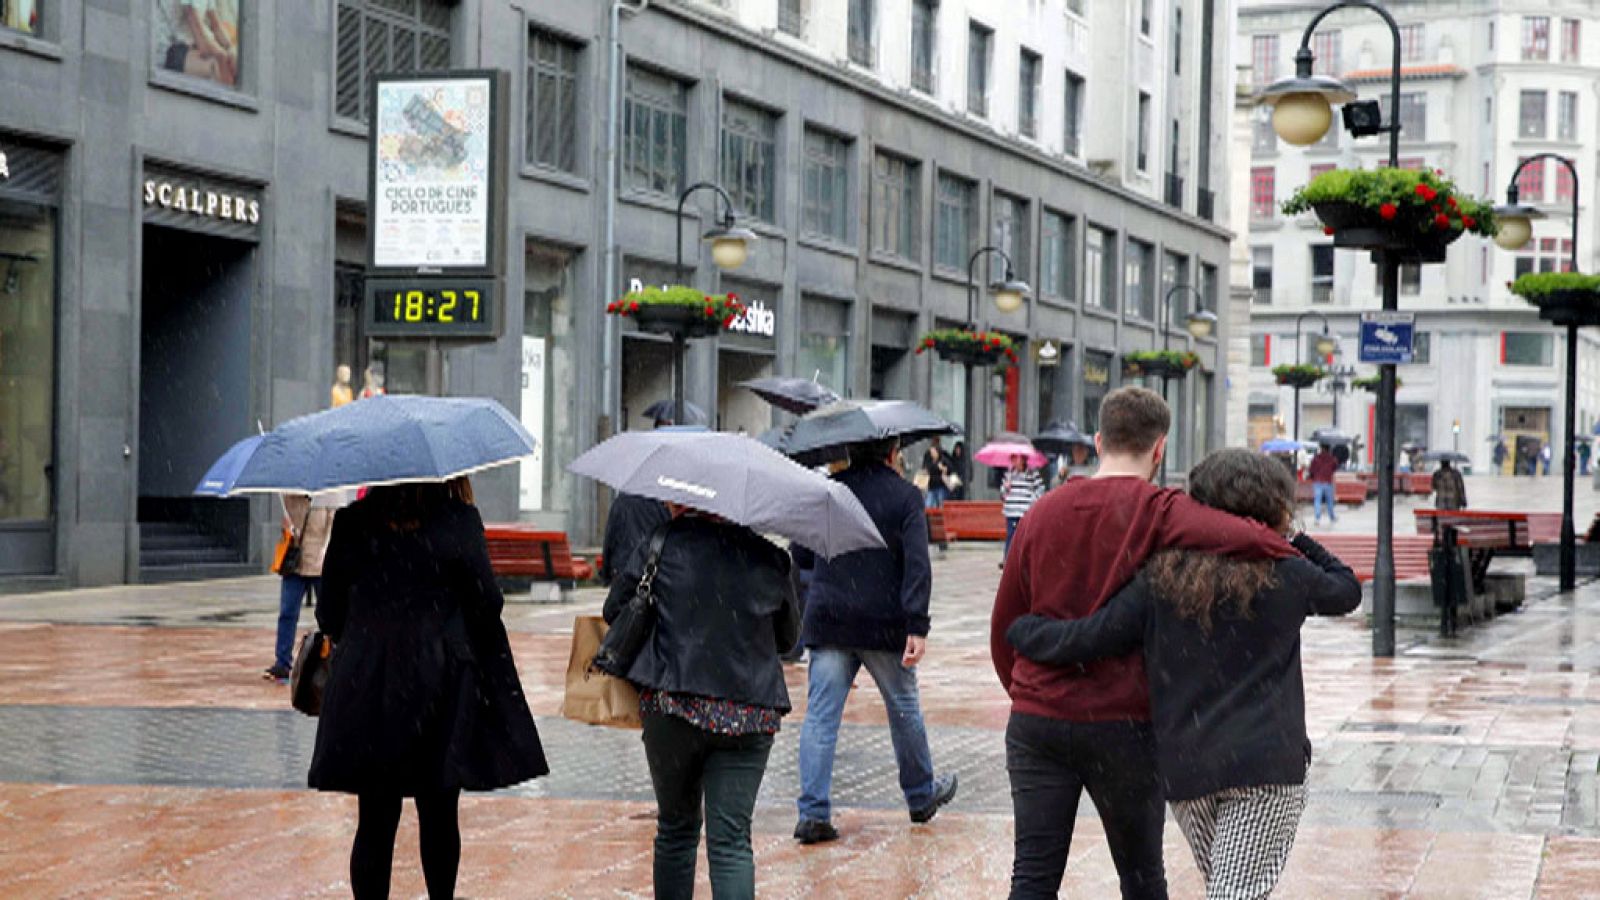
286 558
309 674
632 627
592 696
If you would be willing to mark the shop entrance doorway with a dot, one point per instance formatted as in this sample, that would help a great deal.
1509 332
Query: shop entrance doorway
194 399
738 409
646 378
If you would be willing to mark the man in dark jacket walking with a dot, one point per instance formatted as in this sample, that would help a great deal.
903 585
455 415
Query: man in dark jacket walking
870 608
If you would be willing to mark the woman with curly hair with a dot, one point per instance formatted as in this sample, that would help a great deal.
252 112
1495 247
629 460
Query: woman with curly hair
1221 642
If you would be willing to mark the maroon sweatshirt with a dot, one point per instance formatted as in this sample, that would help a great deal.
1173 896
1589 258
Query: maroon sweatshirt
1075 549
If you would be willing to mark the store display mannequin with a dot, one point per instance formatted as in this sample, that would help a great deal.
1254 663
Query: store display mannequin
372 382
341 392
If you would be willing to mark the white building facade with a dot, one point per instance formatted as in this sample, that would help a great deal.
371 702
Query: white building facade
1485 85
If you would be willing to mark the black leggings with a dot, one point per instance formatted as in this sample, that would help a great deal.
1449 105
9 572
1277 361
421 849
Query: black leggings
372 856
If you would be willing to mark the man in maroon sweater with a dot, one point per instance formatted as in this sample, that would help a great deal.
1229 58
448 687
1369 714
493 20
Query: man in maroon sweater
1088 727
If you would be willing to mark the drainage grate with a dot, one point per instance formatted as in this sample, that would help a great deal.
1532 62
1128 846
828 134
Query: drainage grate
1411 728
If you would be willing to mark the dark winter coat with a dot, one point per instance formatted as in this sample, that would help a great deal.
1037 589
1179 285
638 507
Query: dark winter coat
874 599
1228 708
630 523
423 693
725 609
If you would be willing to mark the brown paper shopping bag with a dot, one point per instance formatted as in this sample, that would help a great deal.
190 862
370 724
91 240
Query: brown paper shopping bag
593 696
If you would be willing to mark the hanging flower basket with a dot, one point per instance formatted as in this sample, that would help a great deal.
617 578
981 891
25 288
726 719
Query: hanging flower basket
1565 298
678 311
1302 376
1416 214
1159 363
978 348
1370 384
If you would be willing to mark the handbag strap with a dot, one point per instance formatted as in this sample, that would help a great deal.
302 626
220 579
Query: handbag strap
646 588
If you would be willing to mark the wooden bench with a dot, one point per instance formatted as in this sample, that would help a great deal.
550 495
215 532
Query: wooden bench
1349 491
1360 553
938 536
974 520
521 551
1514 527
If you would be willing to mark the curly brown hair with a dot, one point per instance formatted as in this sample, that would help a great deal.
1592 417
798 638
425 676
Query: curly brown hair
1245 484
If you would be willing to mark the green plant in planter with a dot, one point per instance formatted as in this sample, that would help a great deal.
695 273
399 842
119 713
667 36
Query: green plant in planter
720 308
979 344
1298 375
1407 201
1536 286
1369 383
1173 360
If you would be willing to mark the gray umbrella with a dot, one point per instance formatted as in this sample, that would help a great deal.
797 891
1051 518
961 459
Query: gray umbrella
1331 436
792 395
778 439
854 422
662 411
1442 455
738 479
1060 437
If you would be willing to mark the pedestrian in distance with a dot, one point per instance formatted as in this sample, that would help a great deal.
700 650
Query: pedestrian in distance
423 698
1221 647
711 690
961 467
308 526
1088 728
1449 489
1544 459
935 474
1322 469
1021 488
1499 457
1583 458
870 609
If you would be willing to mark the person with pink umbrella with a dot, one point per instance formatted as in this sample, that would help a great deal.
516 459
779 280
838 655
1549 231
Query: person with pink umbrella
1022 486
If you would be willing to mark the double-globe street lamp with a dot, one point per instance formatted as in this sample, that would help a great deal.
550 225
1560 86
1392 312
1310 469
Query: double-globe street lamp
1301 114
1326 344
1009 294
1200 322
1516 230
730 247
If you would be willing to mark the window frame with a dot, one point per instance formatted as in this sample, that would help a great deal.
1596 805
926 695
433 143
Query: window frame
531 66
1017 242
1101 275
1526 111
1535 38
1546 341
1264 58
763 192
1327 45
862 50
1141 148
1572 40
1072 96
1260 211
1139 280
944 207
924 80
1322 285
654 105
1057 243
1413 41
908 187
979 35
367 11
1030 67
812 209
1261 275
1567 115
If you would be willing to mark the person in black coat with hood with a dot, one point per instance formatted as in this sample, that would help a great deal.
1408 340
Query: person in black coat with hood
1221 642
423 698
711 691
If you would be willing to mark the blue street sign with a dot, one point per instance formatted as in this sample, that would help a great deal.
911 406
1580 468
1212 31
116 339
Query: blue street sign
1386 337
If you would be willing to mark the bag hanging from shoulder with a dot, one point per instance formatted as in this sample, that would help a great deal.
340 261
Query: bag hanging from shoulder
921 480
952 481
309 674
286 558
592 696
632 627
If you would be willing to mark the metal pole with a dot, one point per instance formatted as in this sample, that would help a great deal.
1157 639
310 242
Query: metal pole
1568 535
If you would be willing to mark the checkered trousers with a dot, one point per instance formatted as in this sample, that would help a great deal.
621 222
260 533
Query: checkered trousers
1241 837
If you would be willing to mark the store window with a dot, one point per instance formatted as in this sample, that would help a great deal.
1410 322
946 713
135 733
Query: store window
894 205
750 159
386 36
1011 235
1058 274
552 103
1526 348
25 16
953 227
28 362
655 136
199 40
1100 268
1096 384
825 201
548 372
825 343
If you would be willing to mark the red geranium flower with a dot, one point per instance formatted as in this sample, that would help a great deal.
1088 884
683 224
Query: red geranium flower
1327 230
1451 201
1441 221
1388 211
634 307
1468 221
920 349
1425 192
927 342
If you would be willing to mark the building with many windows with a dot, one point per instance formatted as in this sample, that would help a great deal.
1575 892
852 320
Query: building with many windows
1485 85
183 229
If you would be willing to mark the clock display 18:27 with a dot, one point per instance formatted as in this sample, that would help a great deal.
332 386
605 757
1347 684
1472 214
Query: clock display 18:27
431 308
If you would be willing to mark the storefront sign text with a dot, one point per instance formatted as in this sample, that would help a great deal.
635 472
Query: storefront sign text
757 319
1095 374
1049 354
208 203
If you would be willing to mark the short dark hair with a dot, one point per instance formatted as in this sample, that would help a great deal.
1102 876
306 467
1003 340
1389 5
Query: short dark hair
1132 419
873 451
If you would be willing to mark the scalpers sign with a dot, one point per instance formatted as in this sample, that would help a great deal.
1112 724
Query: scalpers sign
207 203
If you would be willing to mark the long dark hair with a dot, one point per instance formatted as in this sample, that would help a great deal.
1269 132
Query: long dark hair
405 506
1245 484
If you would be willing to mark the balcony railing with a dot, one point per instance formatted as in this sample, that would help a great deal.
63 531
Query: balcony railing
1205 204
1175 190
1261 296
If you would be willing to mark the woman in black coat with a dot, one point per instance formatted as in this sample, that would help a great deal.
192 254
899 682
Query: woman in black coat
1221 643
423 698
711 691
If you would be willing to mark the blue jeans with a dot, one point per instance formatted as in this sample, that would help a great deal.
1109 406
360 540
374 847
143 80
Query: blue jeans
936 497
290 596
1011 530
1322 495
833 669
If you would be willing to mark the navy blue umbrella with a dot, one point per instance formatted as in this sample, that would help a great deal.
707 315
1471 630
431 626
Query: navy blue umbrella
385 440
220 478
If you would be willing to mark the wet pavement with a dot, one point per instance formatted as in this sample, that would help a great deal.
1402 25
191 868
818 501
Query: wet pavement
141 755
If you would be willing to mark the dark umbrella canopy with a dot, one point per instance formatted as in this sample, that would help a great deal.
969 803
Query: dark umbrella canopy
662 411
1446 456
854 422
738 479
792 395
1060 437
1331 436
778 439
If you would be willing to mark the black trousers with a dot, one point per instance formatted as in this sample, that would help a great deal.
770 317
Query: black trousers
1051 763
372 856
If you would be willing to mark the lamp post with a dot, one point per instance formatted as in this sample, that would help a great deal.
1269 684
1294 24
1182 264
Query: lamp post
1201 322
1009 294
1301 115
1326 344
730 246
1339 378
1516 229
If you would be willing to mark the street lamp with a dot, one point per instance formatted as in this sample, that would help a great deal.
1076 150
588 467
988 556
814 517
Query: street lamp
1009 293
1516 230
1339 378
730 247
1301 115
1325 344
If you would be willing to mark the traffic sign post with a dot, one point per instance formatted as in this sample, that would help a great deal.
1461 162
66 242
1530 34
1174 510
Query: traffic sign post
1386 337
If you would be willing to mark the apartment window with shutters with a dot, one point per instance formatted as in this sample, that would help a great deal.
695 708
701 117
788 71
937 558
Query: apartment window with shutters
1530 183
1057 274
1028 94
750 159
1072 138
1011 232
1261 276
1571 42
1567 116
655 133
376 36
1263 192
1326 46
1264 58
978 40
861 42
894 205
1100 268
1142 147
552 102
954 220
1413 117
1411 42
791 18
1322 273
825 200
924 38
1564 183
1535 37
1531 114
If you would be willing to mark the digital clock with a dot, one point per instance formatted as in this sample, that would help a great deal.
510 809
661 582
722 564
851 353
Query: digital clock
433 308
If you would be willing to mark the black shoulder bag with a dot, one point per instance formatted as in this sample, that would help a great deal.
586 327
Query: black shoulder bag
632 627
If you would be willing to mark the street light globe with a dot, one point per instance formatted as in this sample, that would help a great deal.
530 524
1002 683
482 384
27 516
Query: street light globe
1008 301
1202 323
1302 119
729 253
1515 232
1325 344
1010 293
